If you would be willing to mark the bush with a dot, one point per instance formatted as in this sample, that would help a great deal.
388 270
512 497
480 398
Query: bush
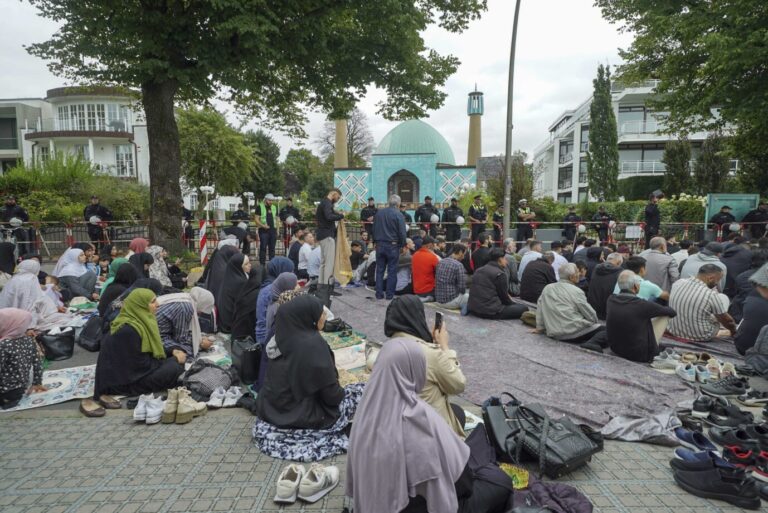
639 187
672 211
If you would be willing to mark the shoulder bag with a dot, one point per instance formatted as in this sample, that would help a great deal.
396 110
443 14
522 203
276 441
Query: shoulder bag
59 346
90 336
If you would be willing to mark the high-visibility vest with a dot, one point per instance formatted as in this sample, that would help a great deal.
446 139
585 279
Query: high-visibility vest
263 214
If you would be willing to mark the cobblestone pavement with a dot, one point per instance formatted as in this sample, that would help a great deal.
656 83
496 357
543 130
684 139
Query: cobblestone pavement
57 461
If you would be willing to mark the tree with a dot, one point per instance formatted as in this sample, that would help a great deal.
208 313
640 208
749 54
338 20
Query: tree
269 179
271 58
212 152
603 154
302 163
677 159
320 182
523 179
706 55
360 144
711 169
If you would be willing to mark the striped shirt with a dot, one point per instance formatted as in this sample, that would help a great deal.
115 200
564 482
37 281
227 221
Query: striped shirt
174 320
450 280
696 306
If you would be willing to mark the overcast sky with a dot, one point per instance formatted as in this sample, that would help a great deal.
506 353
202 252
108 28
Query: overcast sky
559 45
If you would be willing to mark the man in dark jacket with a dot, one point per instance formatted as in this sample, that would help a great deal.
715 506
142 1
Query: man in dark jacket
450 214
478 217
482 255
366 216
755 312
744 287
570 224
95 230
326 218
389 236
630 321
488 295
405 214
737 258
594 257
601 221
538 274
652 219
189 232
288 229
424 216
758 220
602 283
723 219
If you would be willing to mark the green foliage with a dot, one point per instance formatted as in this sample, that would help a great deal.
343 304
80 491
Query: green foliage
603 154
360 144
639 187
269 179
753 174
549 210
212 152
677 159
710 171
320 183
302 163
705 55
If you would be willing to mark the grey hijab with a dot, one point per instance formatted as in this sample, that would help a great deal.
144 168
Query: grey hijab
283 283
415 450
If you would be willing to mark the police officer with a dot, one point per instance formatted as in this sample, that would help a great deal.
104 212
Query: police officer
759 218
570 223
724 218
498 224
524 217
14 211
366 216
189 231
96 230
266 220
450 214
406 215
652 218
424 216
478 216
289 211
603 219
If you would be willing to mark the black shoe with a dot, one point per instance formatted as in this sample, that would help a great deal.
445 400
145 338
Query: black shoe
703 405
726 387
760 433
728 415
730 437
720 484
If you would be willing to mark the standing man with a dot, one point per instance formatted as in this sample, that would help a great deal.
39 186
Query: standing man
367 214
759 221
95 226
186 223
288 229
424 216
389 237
239 216
524 217
326 218
570 224
14 212
478 216
498 225
652 219
602 218
266 221
723 219
450 214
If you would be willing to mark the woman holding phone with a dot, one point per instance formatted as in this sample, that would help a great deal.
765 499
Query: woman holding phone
406 318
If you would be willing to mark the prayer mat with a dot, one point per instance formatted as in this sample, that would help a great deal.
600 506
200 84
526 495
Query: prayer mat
218 352
63 385
348 348
438 306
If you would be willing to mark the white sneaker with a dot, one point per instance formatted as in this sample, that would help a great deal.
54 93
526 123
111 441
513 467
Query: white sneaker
687 371
318 482
665 361
232 396
155 407
217 398
140 412
288 484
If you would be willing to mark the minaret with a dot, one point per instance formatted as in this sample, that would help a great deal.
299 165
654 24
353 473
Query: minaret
475 112
340 159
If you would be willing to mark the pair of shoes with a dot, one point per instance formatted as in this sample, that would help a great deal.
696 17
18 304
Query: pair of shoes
693 440
730 386
718 411
753 398
309 486
109 402
686 371
149 409
91 408
666 360
180 407
228 398
695 358
749 460
752 437
707 475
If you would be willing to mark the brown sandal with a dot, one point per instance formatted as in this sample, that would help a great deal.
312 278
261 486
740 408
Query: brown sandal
109 402
91 408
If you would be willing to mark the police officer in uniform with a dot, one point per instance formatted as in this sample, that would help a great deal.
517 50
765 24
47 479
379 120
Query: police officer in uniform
524 217
366 216
266 220
95 231
603 218
723 218
478 216
287 211
570 223
450 214
498 224
424 216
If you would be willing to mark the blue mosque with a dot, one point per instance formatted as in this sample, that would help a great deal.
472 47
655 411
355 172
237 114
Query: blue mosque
413 161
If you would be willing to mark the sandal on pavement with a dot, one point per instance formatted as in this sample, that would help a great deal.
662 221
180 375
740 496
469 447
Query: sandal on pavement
91 408
109 402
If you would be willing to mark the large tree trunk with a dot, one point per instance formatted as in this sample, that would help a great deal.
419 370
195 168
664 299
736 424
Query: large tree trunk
164 165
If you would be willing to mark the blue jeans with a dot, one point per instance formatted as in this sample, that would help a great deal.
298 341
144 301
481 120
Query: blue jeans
387 256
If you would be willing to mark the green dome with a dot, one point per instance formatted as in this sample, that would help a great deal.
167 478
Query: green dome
416 136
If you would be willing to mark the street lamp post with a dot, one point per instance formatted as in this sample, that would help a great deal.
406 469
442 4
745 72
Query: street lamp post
207 189
508 153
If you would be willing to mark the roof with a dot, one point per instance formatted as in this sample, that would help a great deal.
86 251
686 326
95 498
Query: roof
416 136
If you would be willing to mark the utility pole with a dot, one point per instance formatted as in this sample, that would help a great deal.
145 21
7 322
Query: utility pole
508 153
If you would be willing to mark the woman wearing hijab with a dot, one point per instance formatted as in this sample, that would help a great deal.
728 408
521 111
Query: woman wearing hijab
244 323
142 262
159 269
41 276
235 278
179 325
113 310
283 283
406 318
206 311
113 267
24 292
302 411
132 359
275 268
18 358
125 276
213 275
7 262
74 276
137 245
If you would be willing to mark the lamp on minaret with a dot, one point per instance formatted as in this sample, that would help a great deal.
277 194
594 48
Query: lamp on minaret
340 159
475 112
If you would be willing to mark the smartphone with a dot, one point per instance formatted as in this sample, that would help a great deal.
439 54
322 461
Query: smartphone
438 321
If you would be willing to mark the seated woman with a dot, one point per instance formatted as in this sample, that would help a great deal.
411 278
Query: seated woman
125 276
159 270
19 358
113 310
206 311
178 324
235 278
214 271
406 318
113 267
24 292
275 268
41 276
132 359
302 410
244 323
284 283
91 260
137 245
142 262
403 457
74 276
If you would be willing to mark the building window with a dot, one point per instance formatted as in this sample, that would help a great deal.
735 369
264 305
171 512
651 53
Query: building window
584 138
565 177
583 194
583 171
80 150
193 201
564 197
43 153
8 139
214 204
124 160
232 207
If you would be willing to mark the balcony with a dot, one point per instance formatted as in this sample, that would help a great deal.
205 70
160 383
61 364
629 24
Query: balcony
566 158
642 167
81 127
617 87
641 127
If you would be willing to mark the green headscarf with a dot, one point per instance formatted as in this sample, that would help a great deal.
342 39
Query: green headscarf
113 267
136 313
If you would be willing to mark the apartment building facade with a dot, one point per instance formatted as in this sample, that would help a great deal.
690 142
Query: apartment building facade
560 161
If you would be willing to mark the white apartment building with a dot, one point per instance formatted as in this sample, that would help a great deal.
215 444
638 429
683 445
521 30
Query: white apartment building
561 163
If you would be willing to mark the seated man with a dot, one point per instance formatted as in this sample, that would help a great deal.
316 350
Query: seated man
755 313
602 283
533 253
481 255
701 310
357 256
423 269
451 280
404 285
563 313
648 290
634 325
297 241
489 295
538 274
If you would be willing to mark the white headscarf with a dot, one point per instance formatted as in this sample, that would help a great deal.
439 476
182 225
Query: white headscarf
24 292
158 269
194 324
203 300
230 240
70 265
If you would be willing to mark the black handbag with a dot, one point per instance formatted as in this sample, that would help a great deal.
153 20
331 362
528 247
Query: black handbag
335 325
246 358
521 432
59 346
90 337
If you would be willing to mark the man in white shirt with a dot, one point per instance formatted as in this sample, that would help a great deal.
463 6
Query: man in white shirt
308 243
533 253
557 249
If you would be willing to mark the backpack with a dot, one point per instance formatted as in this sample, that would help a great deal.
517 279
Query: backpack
757 355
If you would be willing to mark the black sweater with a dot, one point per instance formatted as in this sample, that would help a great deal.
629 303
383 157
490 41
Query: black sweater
629 328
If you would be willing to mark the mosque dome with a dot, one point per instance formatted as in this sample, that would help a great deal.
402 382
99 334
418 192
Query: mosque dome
416 136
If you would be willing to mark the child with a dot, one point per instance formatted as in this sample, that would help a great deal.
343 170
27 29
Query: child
53 291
